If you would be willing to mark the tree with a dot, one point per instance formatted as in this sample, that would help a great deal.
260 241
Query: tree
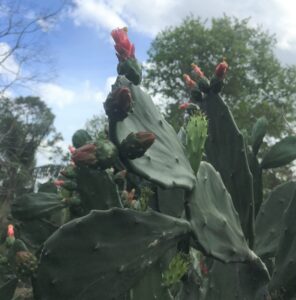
257 83
25 123
22 54
95 125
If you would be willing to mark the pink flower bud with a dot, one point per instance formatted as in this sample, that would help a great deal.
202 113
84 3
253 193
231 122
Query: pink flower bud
203 267
59 183
184 105
85 154
125 49
189 82
71 149
197 70
145 139
10 231
221 69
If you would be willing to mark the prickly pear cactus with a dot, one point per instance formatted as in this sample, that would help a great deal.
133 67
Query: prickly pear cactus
135 215
159 164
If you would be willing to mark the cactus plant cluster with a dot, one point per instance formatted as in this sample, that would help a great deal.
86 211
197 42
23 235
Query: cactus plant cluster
142 213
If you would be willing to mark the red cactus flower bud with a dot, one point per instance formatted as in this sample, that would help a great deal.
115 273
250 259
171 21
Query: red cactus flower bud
125 49
189 82
184 105
136 144
59 183
85 154
123 98
71 149
197 70
10 231
203 267
221 69
118 104
131 195
146 139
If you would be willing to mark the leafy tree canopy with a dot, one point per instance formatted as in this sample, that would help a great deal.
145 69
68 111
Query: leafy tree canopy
257 83
26 123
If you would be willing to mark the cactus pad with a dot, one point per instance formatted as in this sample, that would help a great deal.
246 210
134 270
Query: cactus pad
159 164
104 254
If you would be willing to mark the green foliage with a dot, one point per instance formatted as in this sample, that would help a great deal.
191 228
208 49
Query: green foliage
25 123
257 84
177 268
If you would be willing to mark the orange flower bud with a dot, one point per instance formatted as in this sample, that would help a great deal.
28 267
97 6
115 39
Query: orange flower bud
10 231
125 49
197 70
189 82
184 105
221 69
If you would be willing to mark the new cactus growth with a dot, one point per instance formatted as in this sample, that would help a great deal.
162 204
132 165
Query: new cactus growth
196 130
134 217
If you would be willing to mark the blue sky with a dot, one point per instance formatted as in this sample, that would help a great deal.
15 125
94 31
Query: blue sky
81 49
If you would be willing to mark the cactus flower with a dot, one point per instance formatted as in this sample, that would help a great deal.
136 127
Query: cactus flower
197 70
189 82
184 105
146 139
10 231
125 49
85 154
59 183
136 144
10 239
203 267
71 149
118 104
221 69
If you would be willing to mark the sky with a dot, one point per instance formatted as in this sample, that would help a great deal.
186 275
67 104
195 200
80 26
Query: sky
81 49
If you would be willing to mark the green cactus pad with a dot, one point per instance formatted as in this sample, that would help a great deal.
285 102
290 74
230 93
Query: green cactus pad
104 254
80 138
225 150
280 154
270 220
7 290
36 205
235 282
35 232
164 162
258 133
284 275
97 190
214 220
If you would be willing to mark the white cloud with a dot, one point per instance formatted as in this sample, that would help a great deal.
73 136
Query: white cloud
55 95
96 13
61 97
151 16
